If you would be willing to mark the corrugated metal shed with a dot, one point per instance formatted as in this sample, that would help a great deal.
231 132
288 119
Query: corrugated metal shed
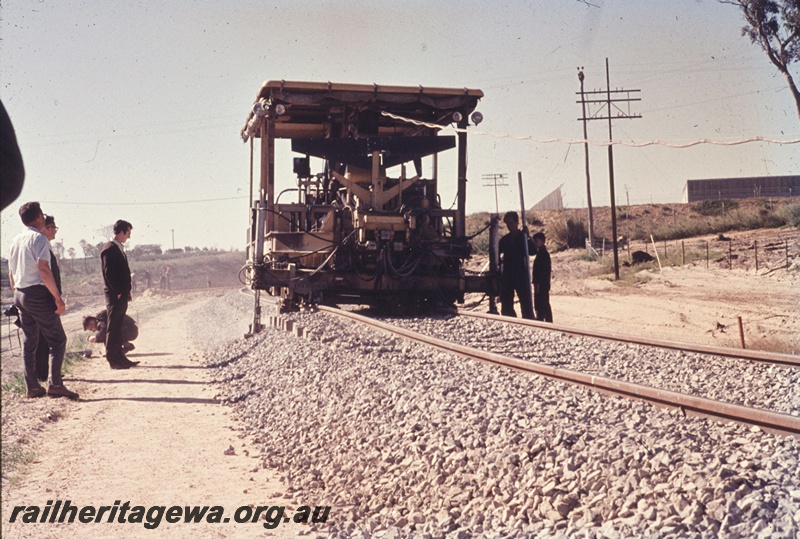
752 187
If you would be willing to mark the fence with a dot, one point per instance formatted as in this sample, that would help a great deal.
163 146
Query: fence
761 256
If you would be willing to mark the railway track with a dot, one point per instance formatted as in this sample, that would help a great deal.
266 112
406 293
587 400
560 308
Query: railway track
754 355
771 421
407 439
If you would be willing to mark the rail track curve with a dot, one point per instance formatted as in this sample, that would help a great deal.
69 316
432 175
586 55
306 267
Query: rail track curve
775 422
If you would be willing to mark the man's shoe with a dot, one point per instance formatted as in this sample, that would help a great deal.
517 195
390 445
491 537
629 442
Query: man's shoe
61 391
123 360
36 392
118 366
127 347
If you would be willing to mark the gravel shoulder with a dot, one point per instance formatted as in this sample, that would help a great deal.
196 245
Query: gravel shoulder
407 441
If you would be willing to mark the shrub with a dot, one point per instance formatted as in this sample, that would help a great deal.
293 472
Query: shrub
790 215
712 208
568 233
532 220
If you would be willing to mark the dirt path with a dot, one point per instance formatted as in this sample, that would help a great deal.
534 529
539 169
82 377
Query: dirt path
153 436
689 305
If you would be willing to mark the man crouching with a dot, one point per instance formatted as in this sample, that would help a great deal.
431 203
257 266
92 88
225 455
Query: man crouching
99 324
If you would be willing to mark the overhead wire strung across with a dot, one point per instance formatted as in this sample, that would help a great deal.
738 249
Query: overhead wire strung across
597 142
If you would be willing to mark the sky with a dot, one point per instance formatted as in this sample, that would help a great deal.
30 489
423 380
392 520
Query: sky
132 110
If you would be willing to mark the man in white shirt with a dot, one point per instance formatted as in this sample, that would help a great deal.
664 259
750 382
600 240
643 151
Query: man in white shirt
39 301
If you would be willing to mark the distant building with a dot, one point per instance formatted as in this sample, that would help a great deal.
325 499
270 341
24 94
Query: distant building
754 187
146 249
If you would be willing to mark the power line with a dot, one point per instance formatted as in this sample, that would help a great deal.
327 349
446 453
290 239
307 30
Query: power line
562 140
160 203
152 130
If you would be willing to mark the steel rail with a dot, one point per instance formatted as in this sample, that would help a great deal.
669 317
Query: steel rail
755 355
771 421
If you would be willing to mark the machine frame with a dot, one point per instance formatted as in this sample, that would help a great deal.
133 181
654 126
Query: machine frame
358 232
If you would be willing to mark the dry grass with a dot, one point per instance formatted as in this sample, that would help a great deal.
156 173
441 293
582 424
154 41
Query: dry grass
665 222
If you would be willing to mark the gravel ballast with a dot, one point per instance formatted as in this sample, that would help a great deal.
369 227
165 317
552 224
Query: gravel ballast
738 381
406 441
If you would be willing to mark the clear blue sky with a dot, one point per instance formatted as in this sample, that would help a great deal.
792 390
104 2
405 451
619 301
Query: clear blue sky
132 110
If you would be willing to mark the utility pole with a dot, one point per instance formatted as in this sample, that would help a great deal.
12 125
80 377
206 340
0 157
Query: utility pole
627 201
495 180
173 238
605 106
586 158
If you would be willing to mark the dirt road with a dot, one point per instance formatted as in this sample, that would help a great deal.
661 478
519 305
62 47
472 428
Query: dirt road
152 436
695 305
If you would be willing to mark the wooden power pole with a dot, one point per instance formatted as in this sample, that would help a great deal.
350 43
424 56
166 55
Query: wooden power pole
604 106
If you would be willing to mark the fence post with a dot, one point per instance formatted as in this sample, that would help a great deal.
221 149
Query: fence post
741 332
755 251
655 250
730 254
683 254
665 250
786 250
706 254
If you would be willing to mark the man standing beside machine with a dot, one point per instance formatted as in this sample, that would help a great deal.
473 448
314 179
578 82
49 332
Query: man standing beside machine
515 268
541 279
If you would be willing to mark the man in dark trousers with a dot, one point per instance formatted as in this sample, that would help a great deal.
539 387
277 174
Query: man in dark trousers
541 280
515 274
39 302
43 348
117 279
99 324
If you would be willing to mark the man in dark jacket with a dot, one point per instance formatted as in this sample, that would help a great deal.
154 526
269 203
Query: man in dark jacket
117 279
541 280
99 324
515 272
43 348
